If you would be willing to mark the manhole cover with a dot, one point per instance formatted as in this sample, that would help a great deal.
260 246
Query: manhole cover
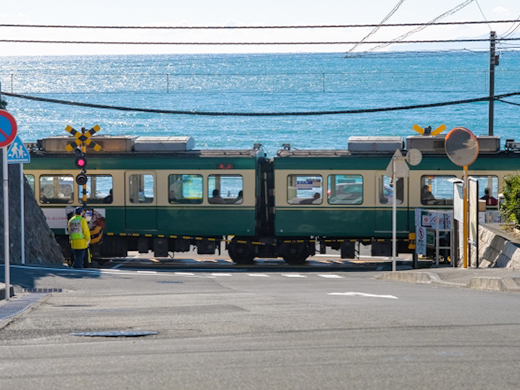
114 333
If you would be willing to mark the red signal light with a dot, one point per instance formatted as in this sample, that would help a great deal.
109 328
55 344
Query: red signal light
81 162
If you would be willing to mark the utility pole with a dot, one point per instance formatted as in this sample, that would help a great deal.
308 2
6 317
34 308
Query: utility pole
493 62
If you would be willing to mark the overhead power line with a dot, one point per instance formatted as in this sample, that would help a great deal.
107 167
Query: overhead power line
295 113
251 43
416 30
252 27
388 16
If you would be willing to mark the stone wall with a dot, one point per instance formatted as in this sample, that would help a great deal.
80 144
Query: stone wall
497 248
40 245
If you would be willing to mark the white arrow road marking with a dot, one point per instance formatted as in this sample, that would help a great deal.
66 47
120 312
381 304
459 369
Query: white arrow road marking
358 294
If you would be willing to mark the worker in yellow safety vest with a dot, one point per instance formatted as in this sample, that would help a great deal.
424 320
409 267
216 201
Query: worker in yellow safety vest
79 235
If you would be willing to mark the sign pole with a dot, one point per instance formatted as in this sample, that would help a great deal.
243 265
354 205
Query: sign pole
394 216
465 217
6 224
22 227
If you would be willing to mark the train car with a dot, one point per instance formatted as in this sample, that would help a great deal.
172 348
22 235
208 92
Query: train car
342 198
154 194
160 194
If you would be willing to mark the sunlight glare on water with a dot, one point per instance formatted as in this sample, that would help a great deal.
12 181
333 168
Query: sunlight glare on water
260 83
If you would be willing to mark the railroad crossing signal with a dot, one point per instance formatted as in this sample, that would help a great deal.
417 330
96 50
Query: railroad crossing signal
428 130
79 146
82 138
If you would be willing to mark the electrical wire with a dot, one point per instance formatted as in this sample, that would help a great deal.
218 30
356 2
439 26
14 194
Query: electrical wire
416 30
263 114
393 11
386 43
249 27
505 101
484 16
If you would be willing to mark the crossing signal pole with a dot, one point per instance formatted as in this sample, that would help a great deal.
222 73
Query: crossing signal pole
79 146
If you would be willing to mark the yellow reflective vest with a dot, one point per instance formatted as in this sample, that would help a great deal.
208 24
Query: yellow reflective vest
79 234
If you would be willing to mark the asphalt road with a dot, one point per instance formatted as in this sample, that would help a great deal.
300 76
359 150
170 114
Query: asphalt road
254 329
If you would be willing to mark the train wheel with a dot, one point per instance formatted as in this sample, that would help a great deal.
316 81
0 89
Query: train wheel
295 254
241 253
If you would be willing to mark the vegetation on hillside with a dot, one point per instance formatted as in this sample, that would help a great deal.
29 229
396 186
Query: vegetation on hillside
510 208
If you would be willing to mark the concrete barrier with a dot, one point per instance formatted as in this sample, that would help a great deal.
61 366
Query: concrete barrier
2 291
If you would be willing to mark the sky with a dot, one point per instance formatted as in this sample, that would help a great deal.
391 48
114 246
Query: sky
239 13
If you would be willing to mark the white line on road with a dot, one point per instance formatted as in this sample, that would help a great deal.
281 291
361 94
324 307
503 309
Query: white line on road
358 294
146 272
185 273
331 276
259 275
294 276
219 274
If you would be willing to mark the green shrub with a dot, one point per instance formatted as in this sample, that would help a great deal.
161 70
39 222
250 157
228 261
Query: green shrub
510 208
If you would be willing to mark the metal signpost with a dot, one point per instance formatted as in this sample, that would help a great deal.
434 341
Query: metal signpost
8 131
473 217
462 149
18 154
399 168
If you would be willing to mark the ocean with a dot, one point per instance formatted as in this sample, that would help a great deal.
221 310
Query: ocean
261 83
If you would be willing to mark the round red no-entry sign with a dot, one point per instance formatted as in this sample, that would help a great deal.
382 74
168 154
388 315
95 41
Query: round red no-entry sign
8 128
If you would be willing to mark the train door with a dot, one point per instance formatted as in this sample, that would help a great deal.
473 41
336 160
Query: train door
385 191
140 201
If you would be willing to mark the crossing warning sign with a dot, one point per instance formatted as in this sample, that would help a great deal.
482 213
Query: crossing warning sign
18 153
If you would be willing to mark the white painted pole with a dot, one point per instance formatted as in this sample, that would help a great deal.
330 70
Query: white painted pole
22 228
6 224
394 215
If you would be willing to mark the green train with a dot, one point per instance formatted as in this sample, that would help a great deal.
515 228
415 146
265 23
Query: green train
160 194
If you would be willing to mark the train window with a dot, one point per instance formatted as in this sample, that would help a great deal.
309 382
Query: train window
488 189
185 189
436 190
141 188
30 181
386 190
99 189
225 189
56 188
345 189
304 189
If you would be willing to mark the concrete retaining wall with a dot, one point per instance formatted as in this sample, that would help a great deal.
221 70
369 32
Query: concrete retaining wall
497 247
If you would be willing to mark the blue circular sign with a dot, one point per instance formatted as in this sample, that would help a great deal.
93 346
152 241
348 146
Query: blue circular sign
8 128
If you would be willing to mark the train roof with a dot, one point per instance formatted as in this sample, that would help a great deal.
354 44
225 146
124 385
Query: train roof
386 146
132 145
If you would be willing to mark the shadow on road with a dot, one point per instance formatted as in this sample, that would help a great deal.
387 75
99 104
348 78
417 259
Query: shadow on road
26 276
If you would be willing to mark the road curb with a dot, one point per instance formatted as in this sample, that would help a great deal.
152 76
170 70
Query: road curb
411 277
478 283
493 284
2 291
